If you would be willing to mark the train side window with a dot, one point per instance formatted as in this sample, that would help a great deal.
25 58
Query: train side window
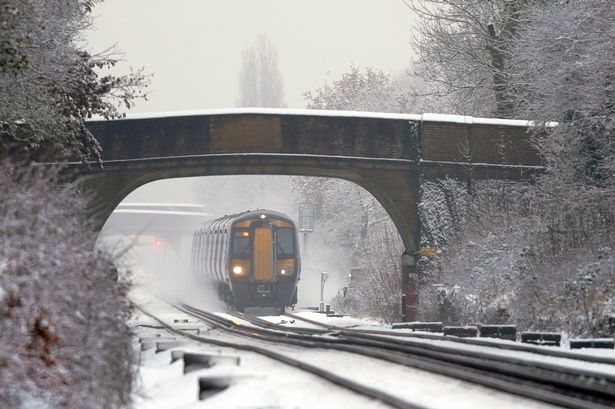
241 244
285 242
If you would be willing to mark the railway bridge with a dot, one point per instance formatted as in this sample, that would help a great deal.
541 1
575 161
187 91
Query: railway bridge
389 155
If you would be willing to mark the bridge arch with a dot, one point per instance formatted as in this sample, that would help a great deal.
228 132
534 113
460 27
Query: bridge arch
391 183
386 154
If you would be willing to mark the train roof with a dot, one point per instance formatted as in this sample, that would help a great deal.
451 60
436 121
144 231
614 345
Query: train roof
250 214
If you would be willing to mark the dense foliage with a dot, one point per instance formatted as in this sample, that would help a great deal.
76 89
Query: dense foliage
49 85
538 254
64 340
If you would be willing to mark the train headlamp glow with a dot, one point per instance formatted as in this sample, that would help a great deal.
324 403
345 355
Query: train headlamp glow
283 271
237 270
263 216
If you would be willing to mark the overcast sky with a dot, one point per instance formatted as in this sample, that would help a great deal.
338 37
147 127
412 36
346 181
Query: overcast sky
193 47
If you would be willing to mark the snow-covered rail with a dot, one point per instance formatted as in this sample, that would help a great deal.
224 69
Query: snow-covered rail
509 346
554 383
223 324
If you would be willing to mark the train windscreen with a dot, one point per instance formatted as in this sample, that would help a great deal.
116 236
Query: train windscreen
285 243
241 244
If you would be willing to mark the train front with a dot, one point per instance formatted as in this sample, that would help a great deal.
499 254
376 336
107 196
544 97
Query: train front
264 261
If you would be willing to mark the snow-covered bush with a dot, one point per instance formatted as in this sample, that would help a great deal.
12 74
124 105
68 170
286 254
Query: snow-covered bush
522 256
375 291
64 341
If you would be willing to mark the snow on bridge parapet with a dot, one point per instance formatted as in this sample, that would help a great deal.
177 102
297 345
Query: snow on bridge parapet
425 117
440 137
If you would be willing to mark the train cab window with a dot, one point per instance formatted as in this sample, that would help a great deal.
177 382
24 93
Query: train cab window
241 244
285 243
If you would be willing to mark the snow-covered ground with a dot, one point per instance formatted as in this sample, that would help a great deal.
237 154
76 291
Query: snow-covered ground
259 382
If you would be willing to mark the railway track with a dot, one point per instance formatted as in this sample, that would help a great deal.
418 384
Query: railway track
223 324
555 384
539 350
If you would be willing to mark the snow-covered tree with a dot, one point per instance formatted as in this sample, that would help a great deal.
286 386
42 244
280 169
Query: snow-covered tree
260 80
352 218
367 89
64 340
339 203
462 52
569 72
49 85
540 255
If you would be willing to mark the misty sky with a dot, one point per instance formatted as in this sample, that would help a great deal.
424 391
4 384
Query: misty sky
193 47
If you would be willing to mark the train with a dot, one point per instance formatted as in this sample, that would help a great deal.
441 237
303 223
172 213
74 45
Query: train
251 257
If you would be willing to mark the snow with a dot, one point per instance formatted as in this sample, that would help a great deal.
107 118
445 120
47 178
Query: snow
491 165
260 382
426 117
526 356
242 154
345 321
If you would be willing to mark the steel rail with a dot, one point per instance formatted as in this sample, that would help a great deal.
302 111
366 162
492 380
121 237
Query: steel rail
564 376
500 374
541 350
361 389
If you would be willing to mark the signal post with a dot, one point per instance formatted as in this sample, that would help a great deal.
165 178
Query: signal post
410 289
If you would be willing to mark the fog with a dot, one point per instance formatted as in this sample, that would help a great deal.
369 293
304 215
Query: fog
193 47
165 269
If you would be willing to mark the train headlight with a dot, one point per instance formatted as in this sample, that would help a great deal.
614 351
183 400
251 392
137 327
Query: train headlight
237 270
283 271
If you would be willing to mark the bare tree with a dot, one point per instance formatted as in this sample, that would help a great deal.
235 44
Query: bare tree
49 85
540 255
565 61
260 80
353 218
462 52
367 89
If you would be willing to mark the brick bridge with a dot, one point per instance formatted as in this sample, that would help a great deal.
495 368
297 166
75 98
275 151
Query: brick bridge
386 154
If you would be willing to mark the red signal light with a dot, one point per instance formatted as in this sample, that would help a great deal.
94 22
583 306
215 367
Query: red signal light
157 242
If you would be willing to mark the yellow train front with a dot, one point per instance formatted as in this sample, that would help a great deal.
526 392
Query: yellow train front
253 258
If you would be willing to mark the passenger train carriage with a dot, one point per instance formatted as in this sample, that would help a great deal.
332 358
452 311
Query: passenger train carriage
253 257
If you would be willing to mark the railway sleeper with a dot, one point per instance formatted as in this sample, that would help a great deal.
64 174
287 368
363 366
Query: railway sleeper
193 361
144 340
166 345
466 331
419 326
147 343
212 384
542 338
603 343
508 332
